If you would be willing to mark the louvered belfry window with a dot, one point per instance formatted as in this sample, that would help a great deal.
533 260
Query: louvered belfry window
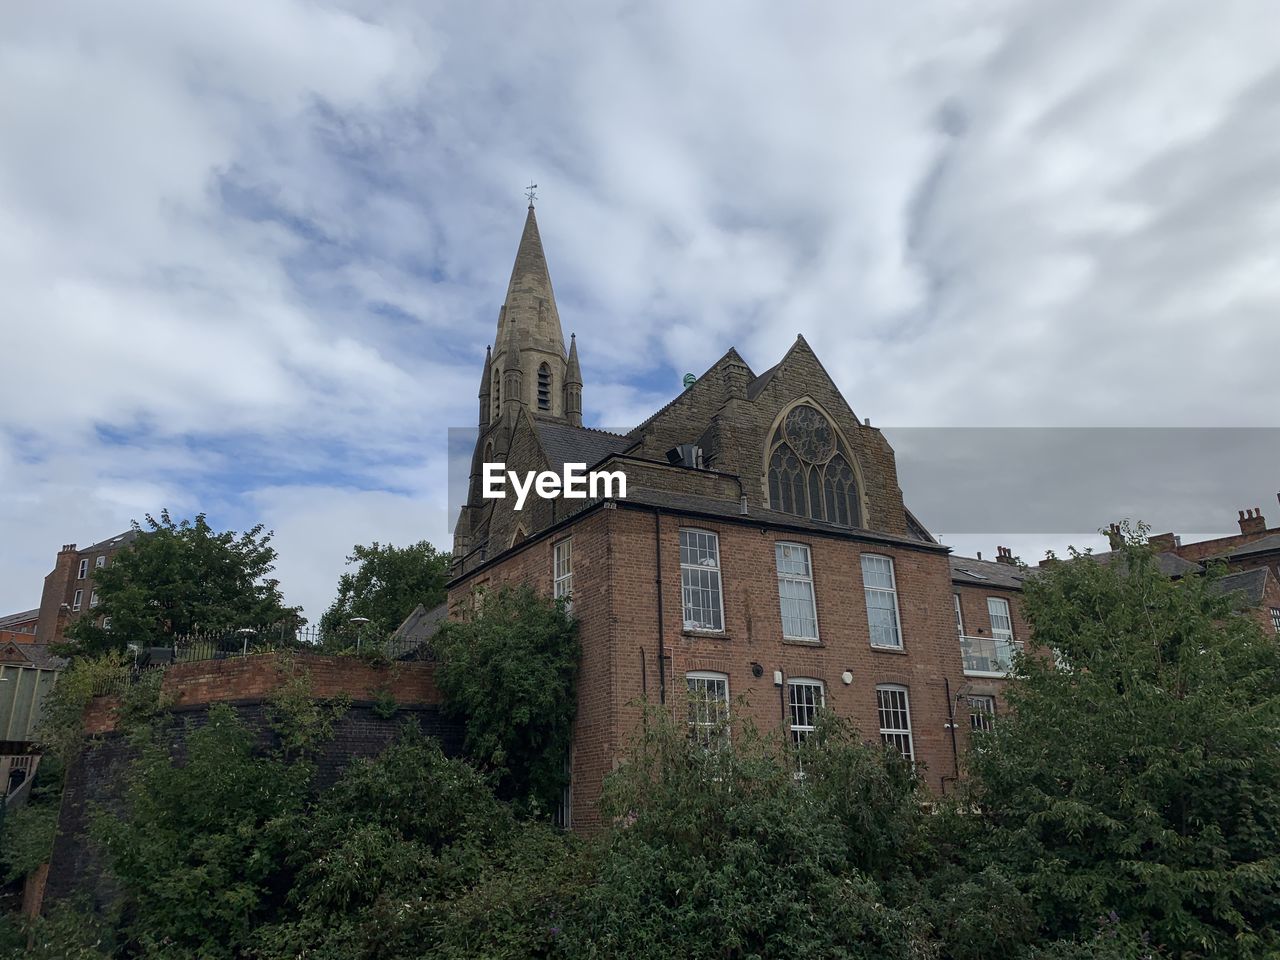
544 387
809 470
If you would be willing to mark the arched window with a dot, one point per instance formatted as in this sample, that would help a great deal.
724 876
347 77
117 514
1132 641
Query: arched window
809 470
544 387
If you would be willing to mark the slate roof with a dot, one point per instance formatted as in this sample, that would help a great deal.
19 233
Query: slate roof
113 543
732 510
566 444
418 629
1168 563
38 655
969 570
1267 544
24 616
1250 585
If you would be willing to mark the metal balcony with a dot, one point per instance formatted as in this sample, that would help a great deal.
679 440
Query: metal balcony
987 657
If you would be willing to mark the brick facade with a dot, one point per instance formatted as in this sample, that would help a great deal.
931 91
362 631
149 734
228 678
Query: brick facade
627 565
68 589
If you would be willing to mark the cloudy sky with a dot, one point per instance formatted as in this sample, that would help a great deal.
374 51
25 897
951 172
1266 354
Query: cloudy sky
251 252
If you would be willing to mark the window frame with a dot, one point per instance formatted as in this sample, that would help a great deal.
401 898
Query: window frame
808 579
77 600
800 731
959 615
562 582
99 562
93 599
892 591
895 736
998 634
1275 618
981 719
691 625
84 568
703 727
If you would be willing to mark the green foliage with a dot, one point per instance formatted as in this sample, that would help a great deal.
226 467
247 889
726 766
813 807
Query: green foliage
26 839
407 856
182 577
61 728
732 852
510 675
62 933
384 704
301 722
388 583
1142 780
201 848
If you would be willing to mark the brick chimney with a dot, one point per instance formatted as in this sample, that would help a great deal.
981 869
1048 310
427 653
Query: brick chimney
1114 536
57 584
1252 521
1004 555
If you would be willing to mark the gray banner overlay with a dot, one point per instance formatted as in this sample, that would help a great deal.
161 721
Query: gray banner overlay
1014 480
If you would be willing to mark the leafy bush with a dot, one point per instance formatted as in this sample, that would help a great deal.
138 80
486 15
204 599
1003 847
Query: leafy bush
1141 779
510 674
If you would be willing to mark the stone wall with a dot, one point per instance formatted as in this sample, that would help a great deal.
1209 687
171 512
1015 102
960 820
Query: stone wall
96 778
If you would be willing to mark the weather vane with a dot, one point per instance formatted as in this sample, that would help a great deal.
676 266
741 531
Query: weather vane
530 194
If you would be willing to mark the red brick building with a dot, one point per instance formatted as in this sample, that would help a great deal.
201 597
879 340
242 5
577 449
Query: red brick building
69 591
762 558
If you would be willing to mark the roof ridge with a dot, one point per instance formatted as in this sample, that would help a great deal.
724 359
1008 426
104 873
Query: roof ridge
674 400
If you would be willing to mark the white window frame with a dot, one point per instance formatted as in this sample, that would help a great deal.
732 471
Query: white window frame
994 604
1275 618
959 616
803 706
702 688
880 592
701 580
77 600
791 589
106 623
93 599
893 704
982 713
562 571
99 562
84 568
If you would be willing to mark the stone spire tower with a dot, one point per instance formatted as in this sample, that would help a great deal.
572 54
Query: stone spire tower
486 388
529 348
573 385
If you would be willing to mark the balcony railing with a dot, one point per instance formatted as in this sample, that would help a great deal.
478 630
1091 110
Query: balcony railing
988 657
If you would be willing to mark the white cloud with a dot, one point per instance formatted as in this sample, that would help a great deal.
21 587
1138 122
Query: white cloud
277 235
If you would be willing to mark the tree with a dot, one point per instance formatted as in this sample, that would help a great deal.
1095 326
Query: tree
1138 778
180 578
510 674
386 587
732 852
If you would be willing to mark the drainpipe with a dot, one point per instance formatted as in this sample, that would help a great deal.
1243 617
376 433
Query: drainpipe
662 651
951 725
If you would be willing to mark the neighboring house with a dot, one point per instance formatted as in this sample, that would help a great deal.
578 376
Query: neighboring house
410 640
27 674
69 592
987 601
762 562
19 627
1256 548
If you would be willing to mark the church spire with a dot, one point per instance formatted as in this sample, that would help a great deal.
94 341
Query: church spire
573 385
529 358
531 304
486 387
